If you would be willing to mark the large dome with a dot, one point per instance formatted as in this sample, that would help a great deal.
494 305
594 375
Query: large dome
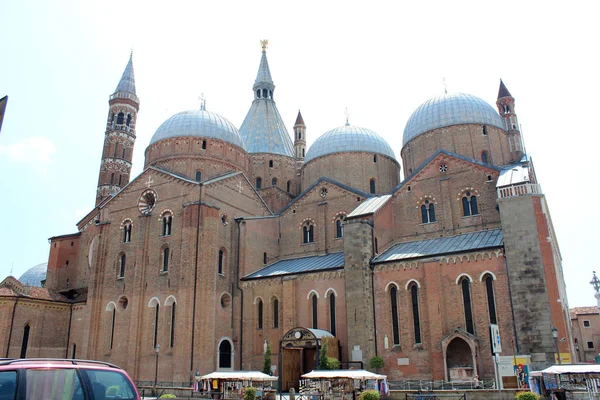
199 123
448 110
349 138
34 275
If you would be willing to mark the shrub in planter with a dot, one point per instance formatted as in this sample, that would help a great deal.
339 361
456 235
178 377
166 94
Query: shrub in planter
332 363
250 393
370 395
168 396
527 396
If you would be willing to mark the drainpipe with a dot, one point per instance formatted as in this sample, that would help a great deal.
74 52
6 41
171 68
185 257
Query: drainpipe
195 283
237 280
69 329
12 322
373 285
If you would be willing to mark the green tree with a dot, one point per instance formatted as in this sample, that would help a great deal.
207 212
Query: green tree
323 357
250 393
266 365
376 362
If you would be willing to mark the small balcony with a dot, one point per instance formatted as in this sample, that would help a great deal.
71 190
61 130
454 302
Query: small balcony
519 190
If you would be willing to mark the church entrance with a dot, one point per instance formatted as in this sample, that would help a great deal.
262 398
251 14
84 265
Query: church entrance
460 350
299 354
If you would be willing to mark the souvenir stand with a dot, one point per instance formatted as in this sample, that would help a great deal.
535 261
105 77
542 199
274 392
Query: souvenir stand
344 384
231 385
563 381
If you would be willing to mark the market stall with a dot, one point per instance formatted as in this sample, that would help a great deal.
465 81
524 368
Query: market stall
231 384
343 383
566 381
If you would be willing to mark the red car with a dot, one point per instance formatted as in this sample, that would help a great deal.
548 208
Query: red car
64 379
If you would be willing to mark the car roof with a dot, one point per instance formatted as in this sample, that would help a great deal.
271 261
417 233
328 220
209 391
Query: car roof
56 363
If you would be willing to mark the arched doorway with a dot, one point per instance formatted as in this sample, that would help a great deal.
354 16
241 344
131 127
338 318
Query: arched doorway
460 355
225 356
299 353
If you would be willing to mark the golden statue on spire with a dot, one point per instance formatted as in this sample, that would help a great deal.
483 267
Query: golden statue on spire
264 44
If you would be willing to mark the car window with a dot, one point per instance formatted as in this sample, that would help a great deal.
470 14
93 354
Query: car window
108 385
8 385
53 384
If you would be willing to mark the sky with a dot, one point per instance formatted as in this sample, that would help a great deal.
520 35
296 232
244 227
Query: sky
61 60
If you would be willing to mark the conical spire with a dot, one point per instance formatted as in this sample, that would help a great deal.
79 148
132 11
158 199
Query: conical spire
263 78
127 82
299 120
503 92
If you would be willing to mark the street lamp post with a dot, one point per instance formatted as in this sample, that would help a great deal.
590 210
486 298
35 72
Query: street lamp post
555 336
156 350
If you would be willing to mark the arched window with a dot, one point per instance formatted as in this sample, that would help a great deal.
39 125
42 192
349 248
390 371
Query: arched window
414 297
299 134
308 233
112 327
165 263
427 212
112 177
127 232
264 93
339 226
172 330
204 145
375 158
258 93
469 203
120 118
225 354
332 313
120 176
489 286
155 338
221 261
275 313
484 130
372 185
274 182
166 224
484 157
265 258
313 302
198 176
122 261
128 119
270 163
259 182
466 294
260 314
25 341
395 323
288 186
302 152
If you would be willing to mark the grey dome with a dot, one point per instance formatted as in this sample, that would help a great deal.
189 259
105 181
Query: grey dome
198 123
448 110
349 138
34 275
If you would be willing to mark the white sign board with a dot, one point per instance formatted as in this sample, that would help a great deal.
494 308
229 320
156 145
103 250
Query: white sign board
496 342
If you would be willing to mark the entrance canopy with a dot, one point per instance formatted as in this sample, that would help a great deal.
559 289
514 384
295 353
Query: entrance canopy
239 376
300 337
343 373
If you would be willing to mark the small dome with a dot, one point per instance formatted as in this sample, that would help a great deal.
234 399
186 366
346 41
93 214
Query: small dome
34 275
349 138
198 123
448 110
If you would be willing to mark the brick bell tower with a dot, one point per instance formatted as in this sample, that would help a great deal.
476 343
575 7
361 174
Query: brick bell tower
299 137
506 108
115 166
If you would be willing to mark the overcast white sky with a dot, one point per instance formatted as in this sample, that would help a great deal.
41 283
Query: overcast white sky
61 60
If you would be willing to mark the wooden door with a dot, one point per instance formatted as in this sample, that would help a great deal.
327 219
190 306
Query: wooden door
290 369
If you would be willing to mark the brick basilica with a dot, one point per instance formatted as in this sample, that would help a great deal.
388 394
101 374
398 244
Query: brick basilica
231 239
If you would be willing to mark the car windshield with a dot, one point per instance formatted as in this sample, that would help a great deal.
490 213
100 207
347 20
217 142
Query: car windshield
109 385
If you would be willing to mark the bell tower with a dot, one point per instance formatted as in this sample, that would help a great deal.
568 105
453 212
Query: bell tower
506 108
299 137
115 166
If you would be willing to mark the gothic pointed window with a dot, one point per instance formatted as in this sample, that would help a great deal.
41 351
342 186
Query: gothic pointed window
414 299
112 328
260 314
155 337
468 309
167 220
489 286
427 212
120 118
394 309
122 261
469 203
339 226
484 130
275 313
372 186
332 324
25 341
225 355
258 182
172 330
128 119
314 315
165 257
258 93
308 233
127 232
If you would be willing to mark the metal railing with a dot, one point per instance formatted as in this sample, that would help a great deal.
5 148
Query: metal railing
431 385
